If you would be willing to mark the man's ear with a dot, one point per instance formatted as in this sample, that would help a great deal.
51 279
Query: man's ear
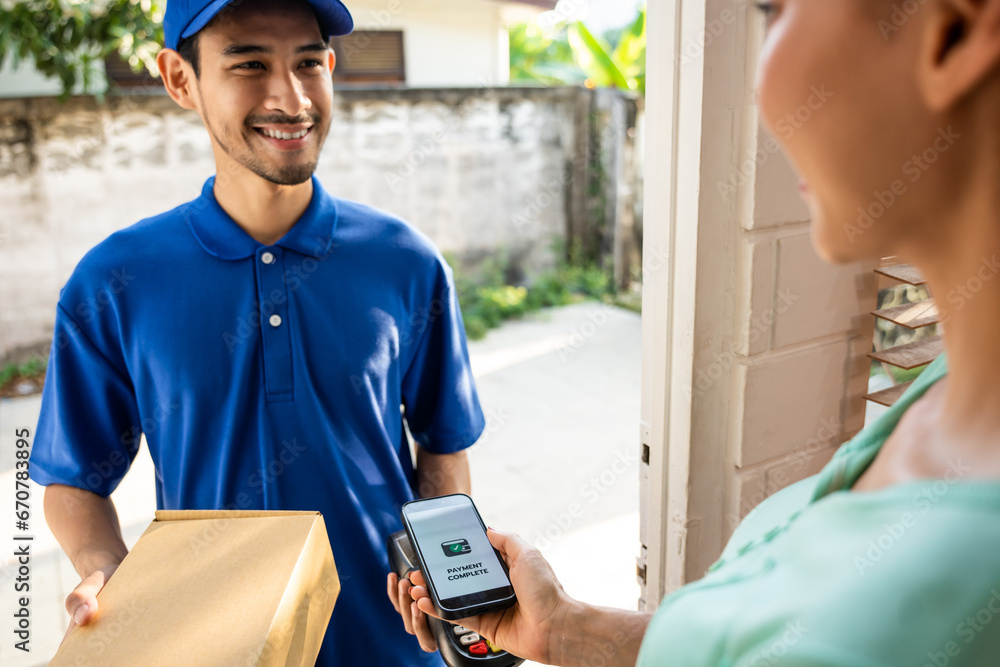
178 78
332 59
960 49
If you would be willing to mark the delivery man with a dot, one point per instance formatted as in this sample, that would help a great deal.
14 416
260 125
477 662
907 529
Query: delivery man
268 338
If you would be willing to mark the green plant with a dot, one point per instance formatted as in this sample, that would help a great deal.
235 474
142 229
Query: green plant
69 40
571 54
488 301
542 56
29 369
899 375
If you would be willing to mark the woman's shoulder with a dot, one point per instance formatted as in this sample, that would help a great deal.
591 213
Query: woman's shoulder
897 575
880 579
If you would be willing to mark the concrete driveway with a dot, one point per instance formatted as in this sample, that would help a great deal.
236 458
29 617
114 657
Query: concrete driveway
558 464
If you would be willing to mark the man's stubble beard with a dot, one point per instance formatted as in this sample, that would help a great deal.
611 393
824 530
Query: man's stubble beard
279 176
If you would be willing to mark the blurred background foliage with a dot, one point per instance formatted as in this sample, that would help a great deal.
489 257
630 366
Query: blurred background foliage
488 297
570 54
70 39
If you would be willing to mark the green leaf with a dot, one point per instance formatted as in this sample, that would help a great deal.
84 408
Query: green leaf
65 39
631 50
593 59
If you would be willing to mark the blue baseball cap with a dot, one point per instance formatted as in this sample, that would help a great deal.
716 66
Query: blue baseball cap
184 18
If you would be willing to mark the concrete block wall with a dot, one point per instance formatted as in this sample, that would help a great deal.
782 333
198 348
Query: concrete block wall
480 170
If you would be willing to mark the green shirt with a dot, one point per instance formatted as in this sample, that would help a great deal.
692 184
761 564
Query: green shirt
906 576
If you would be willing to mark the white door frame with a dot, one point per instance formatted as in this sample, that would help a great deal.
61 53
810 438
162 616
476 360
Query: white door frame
699 97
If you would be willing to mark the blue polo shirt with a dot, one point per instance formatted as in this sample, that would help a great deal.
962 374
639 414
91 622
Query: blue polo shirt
267 377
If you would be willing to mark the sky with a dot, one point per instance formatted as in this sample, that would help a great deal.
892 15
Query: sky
607 14
599 15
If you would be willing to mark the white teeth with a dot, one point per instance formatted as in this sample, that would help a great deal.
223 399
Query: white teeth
274 134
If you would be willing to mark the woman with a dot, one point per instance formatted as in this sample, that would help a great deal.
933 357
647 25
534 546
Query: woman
891 555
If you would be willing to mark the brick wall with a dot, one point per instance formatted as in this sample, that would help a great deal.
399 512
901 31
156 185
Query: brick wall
754 365
802 369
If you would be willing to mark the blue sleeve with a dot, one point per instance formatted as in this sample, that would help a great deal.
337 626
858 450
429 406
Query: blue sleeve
439 392
88 429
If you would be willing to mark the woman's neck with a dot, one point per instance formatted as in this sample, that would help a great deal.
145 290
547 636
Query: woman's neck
962 268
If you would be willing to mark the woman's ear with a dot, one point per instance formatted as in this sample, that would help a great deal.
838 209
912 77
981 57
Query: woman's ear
959 50
178 78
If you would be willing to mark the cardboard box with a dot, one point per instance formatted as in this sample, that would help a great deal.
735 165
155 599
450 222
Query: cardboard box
214 588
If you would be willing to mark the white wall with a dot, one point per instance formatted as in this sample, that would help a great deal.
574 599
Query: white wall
26 81
447 42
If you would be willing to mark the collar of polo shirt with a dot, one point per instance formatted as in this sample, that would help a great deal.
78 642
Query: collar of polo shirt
219 234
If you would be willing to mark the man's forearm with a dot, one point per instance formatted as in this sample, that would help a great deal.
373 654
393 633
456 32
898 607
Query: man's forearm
86 526
588 632
441 474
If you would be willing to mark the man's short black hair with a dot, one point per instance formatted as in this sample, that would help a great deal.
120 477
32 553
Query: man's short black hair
188 48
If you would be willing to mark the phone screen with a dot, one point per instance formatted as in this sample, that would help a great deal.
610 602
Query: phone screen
458 558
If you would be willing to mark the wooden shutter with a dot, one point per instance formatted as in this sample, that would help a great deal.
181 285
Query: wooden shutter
906 333
122 76
370 56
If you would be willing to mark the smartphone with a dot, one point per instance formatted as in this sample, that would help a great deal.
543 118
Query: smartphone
465 575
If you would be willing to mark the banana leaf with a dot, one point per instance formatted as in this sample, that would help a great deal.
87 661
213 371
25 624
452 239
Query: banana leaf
593 58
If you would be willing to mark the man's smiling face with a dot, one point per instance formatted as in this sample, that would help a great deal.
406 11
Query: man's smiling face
264 88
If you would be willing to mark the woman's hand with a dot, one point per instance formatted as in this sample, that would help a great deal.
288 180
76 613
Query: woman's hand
530 628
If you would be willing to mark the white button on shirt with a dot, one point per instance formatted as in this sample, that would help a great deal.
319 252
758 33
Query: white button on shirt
267 258
275 320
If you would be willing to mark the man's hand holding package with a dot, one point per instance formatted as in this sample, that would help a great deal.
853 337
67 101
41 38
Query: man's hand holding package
82 602
88 530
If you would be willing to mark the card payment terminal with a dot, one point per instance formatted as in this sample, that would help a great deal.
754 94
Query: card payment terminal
459 646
